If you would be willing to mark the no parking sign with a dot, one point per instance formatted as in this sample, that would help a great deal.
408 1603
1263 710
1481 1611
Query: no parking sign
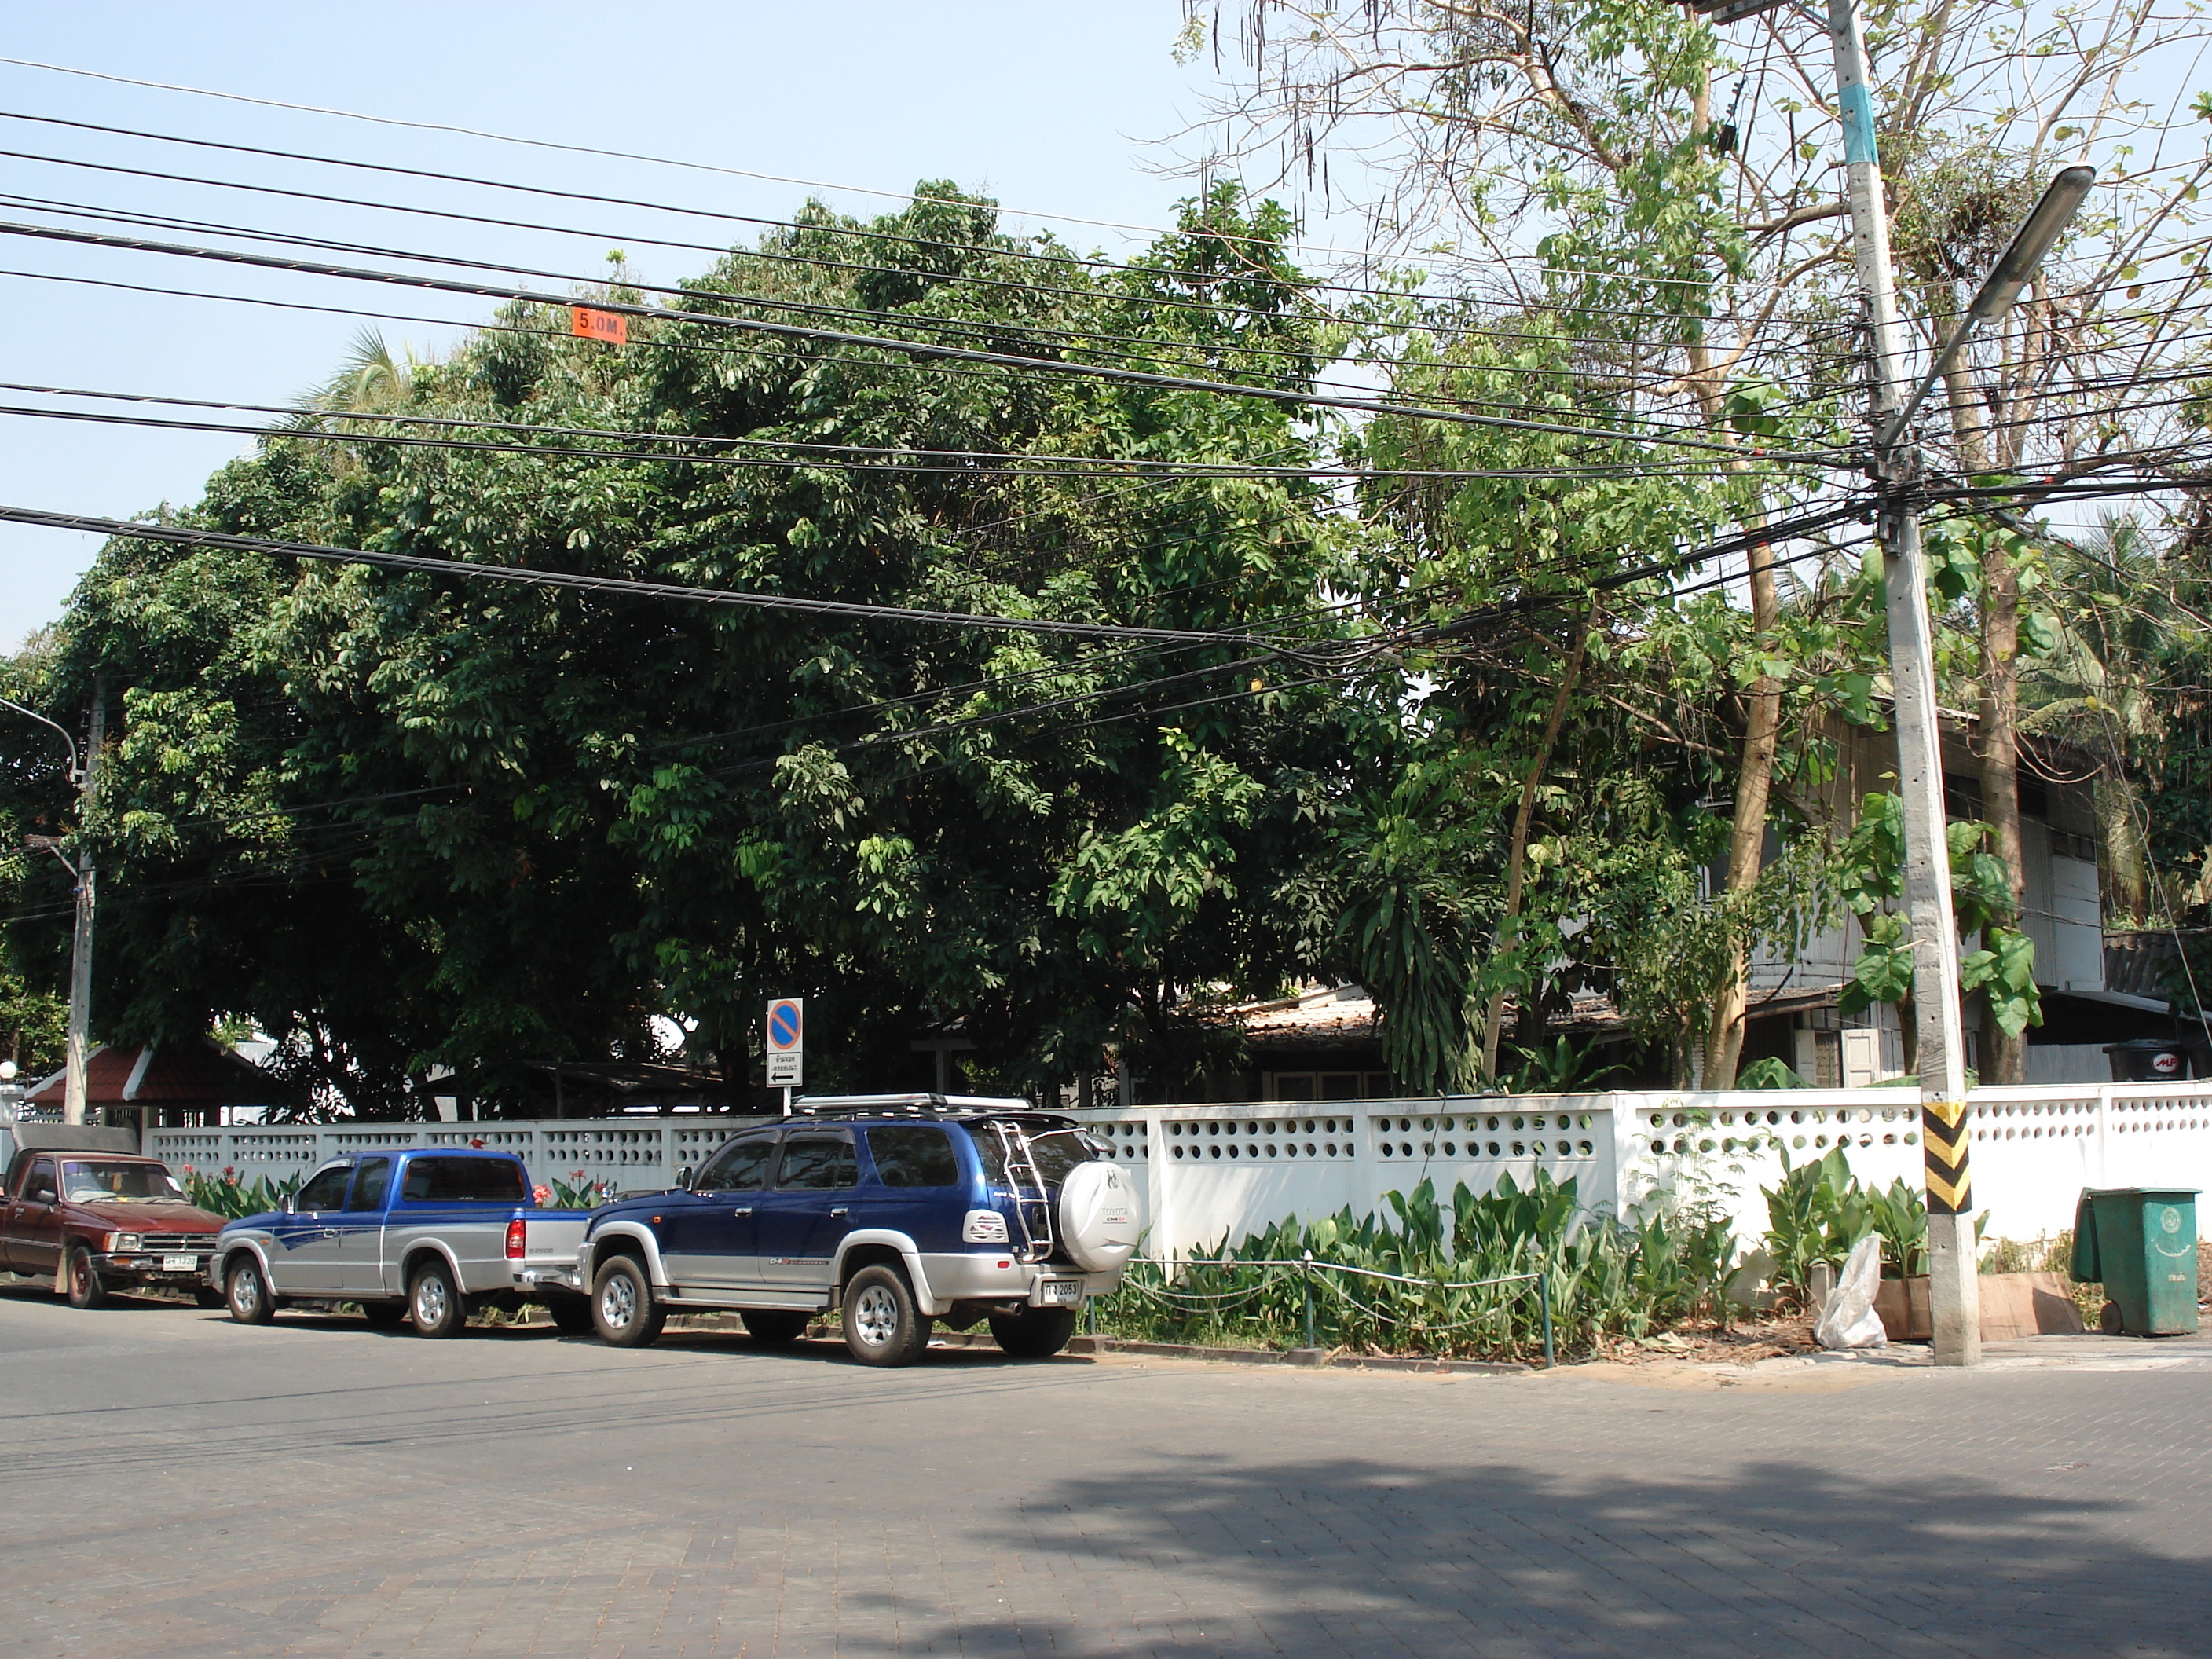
786 1042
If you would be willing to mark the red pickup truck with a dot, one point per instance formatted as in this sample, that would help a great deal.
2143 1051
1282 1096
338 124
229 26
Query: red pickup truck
96 1219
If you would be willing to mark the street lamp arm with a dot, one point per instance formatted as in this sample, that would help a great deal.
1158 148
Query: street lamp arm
76 772
2014 270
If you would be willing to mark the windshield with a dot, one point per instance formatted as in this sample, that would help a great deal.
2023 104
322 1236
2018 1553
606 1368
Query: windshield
1056 1152
94 1180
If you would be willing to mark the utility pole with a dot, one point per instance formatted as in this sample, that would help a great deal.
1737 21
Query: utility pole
80 1008
1954 1293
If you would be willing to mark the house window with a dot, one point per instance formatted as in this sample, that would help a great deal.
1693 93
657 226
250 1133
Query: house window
1325 1085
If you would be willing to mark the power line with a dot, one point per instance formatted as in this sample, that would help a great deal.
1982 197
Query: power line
887 459
1299 285
1067 338
619 586
883 343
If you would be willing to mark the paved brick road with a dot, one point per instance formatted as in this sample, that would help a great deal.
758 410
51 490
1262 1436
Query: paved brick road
176 1486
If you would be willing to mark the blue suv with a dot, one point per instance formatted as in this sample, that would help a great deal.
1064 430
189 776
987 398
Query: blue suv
898 1211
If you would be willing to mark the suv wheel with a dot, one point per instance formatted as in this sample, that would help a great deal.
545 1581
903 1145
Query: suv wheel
882 1325
622 1305
247 1292
772 1329
86 1288
1037 1334
433 1304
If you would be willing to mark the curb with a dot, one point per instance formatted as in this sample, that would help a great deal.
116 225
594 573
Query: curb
1304 1358
1309 1359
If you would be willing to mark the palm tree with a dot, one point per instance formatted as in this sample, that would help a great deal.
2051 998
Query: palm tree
2098 690
369 380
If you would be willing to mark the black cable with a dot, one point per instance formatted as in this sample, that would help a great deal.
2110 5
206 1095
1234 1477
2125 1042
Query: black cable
955 463
886 343
908 238
620 587
962 279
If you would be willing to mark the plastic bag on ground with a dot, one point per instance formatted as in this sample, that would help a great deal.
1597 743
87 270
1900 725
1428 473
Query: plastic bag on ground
1849 1321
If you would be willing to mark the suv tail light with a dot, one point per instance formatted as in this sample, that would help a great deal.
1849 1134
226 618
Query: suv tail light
984 1227
516 1233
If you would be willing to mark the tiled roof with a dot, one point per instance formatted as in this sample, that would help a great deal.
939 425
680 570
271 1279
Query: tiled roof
196 1073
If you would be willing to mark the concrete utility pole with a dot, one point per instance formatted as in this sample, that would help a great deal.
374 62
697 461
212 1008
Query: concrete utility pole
81 872
1953 1290
80 1008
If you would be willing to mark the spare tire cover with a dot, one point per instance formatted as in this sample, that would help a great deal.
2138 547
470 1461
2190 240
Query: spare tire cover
1100 1216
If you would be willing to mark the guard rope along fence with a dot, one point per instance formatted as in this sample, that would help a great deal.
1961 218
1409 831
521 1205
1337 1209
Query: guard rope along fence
1306 1268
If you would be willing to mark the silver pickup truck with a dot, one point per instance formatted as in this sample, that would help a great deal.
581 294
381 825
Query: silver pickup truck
425 1236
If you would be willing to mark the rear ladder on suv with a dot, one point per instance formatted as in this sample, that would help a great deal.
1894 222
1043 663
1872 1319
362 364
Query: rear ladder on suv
1021 1165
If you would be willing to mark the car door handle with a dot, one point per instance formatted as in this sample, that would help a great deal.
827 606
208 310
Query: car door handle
839 1210
746 1210
329 1233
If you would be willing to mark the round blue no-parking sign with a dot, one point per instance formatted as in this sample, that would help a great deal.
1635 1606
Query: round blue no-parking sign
785 1024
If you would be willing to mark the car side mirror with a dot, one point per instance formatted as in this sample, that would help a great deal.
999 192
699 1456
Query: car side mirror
684 1177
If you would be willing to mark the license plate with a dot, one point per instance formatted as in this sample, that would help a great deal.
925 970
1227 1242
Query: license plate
1063 1290
181 1264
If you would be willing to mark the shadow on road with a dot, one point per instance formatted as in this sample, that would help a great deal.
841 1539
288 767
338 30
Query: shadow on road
1349 1557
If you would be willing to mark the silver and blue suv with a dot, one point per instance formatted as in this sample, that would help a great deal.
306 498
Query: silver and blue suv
896 1211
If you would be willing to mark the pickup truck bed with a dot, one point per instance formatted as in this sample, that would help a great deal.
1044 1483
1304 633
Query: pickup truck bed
429 1235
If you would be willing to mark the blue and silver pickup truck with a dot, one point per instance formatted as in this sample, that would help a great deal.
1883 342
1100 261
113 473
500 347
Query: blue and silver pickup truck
426 1236
899 1211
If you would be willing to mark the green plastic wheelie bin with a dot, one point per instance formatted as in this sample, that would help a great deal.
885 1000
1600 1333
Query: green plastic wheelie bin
2141 1242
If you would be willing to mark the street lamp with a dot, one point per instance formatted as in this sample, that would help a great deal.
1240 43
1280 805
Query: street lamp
2014 270
76 772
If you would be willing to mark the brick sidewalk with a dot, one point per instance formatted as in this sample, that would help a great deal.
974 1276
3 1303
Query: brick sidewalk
179 1486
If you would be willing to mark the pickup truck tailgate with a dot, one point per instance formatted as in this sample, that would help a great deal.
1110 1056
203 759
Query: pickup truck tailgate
552 1240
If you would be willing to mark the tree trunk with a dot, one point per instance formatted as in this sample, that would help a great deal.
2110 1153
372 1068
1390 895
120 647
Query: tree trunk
2127 871
1754 783
2004 1057
1517 854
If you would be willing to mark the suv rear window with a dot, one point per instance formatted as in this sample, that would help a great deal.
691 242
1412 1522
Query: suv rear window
465 1181
1055 1150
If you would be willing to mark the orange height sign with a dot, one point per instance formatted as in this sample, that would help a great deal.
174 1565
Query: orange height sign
609 325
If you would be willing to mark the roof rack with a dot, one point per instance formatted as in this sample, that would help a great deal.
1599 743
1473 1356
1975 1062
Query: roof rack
919 1105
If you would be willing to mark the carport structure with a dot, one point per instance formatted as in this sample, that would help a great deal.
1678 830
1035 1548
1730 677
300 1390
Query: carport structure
154 1085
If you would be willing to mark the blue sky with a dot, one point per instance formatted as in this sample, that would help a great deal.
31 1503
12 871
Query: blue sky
1048 107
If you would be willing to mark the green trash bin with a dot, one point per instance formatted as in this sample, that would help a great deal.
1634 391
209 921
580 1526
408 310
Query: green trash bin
2141 1242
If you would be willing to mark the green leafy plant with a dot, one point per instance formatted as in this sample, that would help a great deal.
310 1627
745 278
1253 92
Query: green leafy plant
1607 1278
1899 1215
229 1197
579 1191
1553 1070
1816 1213
1769 1073
2004 969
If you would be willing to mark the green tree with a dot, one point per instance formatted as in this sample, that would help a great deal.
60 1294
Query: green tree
408 821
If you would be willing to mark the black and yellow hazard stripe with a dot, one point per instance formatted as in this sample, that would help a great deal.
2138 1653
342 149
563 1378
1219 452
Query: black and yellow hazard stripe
1943 1145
